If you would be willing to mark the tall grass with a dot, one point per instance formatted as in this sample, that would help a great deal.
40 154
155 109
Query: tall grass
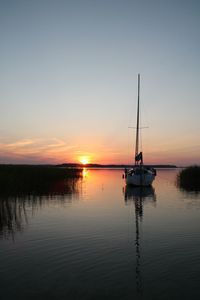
29 186
28 179
189 178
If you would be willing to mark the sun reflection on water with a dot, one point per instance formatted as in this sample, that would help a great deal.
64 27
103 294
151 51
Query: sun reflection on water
85 173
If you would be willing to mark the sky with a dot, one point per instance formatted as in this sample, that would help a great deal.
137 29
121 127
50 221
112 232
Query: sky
68 80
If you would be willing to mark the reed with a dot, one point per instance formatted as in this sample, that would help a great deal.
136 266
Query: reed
31 179
189 178
23 187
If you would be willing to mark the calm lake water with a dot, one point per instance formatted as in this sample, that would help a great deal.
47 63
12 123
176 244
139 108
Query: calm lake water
102 241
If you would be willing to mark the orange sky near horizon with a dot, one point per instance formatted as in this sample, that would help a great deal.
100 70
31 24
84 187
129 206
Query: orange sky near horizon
54 151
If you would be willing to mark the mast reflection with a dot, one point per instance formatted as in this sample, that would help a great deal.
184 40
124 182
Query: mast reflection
138 196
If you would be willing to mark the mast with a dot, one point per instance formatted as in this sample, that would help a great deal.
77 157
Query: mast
138 121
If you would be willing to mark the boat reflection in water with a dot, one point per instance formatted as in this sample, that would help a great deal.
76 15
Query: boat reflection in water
16 209
139 196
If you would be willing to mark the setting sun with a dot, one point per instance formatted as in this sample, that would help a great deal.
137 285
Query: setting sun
84 160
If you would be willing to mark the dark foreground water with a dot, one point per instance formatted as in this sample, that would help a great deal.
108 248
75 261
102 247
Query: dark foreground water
102 240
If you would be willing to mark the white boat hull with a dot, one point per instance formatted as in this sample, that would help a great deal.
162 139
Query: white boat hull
140 176
140 180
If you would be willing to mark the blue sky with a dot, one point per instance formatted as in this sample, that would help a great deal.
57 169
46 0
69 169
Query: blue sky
68 80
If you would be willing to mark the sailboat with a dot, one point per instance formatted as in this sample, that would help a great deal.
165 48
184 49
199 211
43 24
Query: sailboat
139 174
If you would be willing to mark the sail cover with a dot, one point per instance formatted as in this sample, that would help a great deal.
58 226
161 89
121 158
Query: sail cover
138 157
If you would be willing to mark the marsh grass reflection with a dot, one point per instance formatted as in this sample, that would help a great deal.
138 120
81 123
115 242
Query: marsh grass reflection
13 216
137 196
21 197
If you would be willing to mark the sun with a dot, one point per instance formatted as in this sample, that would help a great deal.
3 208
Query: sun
84 160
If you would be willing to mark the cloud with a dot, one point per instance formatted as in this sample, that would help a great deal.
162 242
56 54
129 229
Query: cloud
35 150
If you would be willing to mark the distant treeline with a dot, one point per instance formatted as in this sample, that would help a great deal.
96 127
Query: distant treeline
75 165
37 179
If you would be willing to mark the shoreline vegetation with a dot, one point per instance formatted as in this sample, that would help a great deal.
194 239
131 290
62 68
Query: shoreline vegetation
18 180
188 179
23 186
